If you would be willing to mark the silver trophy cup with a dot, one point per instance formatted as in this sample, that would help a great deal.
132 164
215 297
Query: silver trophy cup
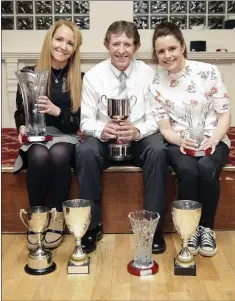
119 110
144 224
186 215
77 215
37 219
33 84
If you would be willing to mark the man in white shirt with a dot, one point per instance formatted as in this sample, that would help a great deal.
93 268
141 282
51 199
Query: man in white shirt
122 40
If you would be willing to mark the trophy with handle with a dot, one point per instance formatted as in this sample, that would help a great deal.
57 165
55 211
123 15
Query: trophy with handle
196 114
186 216
119 109
77 215
33 84
144 224
38 218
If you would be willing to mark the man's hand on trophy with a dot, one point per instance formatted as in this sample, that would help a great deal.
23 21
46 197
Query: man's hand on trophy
209 142
187 143
110 131
128 132
47 107
22 132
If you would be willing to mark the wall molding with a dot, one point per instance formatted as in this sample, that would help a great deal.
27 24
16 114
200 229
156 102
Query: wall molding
138 55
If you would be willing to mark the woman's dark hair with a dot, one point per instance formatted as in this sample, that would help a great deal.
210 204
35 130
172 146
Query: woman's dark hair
129 28
165 29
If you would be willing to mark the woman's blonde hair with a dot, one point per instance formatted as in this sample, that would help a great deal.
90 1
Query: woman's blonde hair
74 73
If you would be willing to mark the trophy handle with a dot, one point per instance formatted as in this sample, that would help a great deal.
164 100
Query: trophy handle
133 97
103 97
23 211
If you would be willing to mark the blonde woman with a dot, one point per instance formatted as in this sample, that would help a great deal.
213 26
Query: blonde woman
49 164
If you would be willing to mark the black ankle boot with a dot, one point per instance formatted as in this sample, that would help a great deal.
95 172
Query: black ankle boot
90 239
159 244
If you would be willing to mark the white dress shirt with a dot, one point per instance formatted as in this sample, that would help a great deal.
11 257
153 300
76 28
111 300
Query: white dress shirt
103 79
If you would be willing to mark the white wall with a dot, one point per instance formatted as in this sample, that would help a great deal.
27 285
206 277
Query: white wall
102 14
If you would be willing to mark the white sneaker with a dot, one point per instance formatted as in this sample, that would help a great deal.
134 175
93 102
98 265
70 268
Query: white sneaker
32 239
54 234
207 242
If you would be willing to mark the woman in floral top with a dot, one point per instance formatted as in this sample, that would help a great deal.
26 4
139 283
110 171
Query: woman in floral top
178 83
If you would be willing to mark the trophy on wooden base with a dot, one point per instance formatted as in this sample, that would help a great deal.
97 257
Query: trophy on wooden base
186 216
77 215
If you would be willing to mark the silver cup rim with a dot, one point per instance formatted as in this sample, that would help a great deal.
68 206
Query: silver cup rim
38 209
73 203
193 205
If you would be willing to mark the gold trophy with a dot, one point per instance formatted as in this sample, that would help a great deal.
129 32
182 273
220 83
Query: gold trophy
39 261
77 215
186 216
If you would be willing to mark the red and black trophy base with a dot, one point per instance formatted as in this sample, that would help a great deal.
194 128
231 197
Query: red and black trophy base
31 139
132 269
184 271
198 153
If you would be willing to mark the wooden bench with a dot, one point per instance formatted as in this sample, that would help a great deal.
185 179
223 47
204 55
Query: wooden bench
122 193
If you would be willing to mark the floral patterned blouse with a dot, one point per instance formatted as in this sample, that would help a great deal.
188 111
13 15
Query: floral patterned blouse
197 84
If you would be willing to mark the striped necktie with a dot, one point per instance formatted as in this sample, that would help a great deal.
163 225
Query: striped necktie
122 88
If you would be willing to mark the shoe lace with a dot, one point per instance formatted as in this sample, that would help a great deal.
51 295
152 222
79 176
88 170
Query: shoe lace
207 237
196 235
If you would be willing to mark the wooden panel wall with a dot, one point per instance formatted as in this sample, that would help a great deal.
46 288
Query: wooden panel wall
122 193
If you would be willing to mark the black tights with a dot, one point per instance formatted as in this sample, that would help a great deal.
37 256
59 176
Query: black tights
198 179
49 170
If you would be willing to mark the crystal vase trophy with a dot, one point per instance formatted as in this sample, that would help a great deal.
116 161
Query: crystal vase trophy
38 218
119 110
144 224
186 216
33 84
77 214
196 117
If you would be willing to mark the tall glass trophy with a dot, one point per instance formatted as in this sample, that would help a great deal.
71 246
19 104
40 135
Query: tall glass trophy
33 84
119 109
196 116
144 224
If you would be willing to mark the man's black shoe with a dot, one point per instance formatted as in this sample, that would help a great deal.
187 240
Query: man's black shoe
90 239
159 244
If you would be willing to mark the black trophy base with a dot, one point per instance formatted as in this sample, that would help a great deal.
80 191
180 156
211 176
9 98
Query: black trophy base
38 272
184 271
79 269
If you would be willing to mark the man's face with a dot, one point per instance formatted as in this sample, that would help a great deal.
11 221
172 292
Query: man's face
121 49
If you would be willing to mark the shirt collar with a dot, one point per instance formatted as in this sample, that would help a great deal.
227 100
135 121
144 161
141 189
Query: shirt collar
118 72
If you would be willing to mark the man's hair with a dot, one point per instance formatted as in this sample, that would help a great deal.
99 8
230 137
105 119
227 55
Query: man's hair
120 27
